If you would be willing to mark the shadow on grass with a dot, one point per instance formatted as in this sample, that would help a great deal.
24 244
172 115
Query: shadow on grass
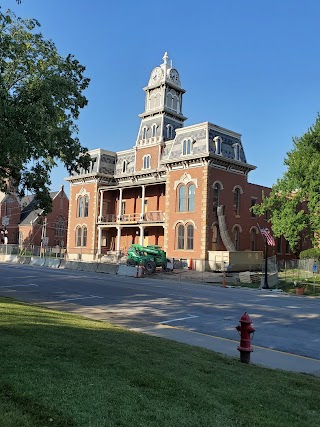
63 370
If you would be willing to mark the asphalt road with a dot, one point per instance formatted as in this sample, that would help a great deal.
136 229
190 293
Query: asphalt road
282 322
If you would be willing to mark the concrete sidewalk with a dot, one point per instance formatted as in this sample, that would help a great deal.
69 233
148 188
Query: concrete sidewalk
260 356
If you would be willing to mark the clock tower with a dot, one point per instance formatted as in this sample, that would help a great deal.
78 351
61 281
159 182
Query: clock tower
163 105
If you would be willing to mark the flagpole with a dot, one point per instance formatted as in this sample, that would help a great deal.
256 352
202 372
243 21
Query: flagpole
265 286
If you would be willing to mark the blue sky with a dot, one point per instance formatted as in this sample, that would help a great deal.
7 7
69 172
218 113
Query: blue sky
250 66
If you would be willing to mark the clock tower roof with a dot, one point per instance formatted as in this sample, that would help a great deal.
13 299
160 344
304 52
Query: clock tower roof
165 73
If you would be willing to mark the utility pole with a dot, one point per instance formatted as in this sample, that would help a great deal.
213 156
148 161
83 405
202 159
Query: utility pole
43 236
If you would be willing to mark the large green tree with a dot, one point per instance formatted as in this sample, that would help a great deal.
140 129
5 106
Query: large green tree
294 202
41 95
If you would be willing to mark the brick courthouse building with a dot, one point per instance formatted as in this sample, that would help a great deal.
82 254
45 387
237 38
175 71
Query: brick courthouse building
183 188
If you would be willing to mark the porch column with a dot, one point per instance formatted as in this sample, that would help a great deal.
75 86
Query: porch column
118 239
142 201
101 205
99 240
141 234
120 203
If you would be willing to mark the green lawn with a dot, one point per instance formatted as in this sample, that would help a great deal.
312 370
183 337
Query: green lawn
63 370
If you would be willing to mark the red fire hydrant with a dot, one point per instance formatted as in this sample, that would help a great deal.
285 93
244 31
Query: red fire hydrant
245 329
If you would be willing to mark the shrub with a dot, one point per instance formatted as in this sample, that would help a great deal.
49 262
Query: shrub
310 253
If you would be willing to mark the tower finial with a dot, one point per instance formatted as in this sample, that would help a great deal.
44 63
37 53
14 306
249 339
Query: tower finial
165 58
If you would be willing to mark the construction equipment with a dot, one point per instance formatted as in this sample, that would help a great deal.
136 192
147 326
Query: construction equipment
150 257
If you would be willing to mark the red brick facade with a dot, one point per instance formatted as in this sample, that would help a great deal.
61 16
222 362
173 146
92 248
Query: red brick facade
183 188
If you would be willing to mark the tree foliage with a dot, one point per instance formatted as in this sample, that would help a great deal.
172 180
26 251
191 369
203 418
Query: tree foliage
41 95
294 202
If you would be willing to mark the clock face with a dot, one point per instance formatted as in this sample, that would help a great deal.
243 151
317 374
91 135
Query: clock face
156 74
174 75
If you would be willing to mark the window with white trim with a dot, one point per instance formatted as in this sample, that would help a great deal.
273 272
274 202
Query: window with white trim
81 236
147 161
154 131
169 131
187 147
184 237
186 198
144 133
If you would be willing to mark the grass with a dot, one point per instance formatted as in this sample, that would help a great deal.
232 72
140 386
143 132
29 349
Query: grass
63 370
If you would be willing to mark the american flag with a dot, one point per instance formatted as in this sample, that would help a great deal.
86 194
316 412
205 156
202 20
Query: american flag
266 234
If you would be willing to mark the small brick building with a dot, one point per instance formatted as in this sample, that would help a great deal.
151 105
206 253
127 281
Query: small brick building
25 224
183 188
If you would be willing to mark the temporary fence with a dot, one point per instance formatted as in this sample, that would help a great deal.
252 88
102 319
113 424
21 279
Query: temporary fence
297 270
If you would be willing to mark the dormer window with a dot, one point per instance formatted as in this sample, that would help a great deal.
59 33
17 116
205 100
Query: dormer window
218 144
146 161
236 148
169 131
144 133
124 166
154 131
187 147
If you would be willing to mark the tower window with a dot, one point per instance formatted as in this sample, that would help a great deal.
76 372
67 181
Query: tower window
169 131
147 161
154 131
144 133
124 166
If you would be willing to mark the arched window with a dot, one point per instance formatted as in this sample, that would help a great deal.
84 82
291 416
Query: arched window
154 131
174 103
253 239
180 237
144 133
84 236
78 236
169 131
187 147
182 198
215 236
146 161
158 99
236 237
81 236
216 195
186 198
86 206
20 238
169 100
59 227
190 233
191 191
80 207
236 201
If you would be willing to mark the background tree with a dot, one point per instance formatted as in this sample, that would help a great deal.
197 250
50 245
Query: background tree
41 94
294 202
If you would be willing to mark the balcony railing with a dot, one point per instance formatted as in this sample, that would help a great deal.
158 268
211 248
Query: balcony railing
154 216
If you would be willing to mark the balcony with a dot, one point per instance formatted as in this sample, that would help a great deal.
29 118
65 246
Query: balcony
134 218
